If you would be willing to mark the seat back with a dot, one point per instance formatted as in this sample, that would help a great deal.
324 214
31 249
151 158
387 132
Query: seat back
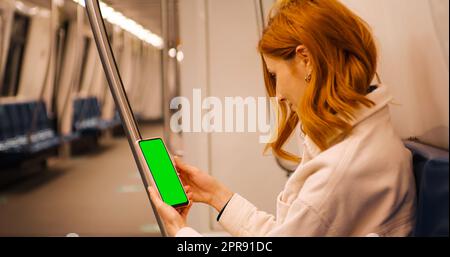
431 173
85 109
5 124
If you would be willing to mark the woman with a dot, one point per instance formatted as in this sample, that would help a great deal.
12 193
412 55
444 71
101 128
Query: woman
355 176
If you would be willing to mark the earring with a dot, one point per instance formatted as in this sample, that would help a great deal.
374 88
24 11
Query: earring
308 78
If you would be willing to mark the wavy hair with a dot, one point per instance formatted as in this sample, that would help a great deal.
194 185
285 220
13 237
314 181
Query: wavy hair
343 58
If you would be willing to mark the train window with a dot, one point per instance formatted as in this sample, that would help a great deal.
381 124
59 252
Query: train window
16 51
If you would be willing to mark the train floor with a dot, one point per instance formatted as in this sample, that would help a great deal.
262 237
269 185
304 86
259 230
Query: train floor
95 194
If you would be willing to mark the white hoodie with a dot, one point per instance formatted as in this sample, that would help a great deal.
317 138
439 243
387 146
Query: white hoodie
362 185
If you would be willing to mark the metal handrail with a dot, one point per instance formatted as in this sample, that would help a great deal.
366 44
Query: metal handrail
119 95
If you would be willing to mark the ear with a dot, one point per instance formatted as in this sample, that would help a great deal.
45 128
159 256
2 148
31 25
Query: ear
303 53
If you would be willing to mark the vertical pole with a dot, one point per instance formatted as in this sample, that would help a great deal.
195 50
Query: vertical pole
119 95
260 21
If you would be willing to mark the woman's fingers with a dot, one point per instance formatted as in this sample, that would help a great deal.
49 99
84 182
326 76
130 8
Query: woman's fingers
189 193
189 196
183 168
184 211
179 163
185 180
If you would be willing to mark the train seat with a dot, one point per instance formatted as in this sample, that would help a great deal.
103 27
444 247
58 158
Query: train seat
87 117
25 131
432 182
41 134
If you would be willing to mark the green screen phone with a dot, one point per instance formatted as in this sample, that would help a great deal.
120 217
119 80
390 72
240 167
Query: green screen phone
163 172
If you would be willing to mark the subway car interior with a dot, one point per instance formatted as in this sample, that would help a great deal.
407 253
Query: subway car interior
68 163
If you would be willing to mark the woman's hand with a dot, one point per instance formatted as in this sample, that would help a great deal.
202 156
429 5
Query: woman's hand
203 187
174 219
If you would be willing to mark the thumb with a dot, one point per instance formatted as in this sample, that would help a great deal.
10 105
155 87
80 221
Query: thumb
183 167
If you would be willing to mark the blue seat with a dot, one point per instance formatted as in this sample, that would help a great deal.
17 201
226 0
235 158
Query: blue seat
432 181
87 117
84 122
25 132
5 124
14 123
43 136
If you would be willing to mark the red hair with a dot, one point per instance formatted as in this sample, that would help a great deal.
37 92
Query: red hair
343 58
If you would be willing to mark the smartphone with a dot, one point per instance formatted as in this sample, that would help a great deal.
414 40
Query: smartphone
164 174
